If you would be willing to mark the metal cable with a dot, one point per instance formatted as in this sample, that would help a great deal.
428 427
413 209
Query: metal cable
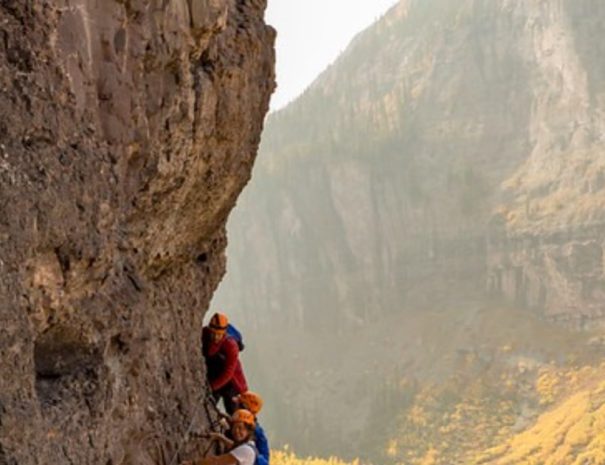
213 424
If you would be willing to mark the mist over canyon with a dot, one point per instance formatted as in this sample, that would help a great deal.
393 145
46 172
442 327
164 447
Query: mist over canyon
425 220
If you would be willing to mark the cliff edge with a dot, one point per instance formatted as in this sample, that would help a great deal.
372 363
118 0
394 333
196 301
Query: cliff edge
127 130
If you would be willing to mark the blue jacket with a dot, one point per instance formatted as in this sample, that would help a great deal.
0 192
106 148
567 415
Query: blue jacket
262 446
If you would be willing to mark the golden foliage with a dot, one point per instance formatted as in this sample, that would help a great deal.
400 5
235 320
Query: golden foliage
571 433
287 457
497 421
560 193
445 422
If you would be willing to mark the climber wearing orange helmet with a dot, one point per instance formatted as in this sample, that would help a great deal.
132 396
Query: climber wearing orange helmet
242 450
224 369
254 403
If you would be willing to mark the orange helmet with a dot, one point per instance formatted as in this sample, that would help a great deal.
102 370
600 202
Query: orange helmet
244 416
251 401
219 323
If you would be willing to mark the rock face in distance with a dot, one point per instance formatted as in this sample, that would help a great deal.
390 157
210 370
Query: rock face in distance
127 130
448 137
437 157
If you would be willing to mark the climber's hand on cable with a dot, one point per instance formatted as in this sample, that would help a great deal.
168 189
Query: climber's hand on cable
217 436
222 439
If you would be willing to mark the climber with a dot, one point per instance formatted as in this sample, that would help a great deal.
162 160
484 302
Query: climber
221 353
242 450
254 403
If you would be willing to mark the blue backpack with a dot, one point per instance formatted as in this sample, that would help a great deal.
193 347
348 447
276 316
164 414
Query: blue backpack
262 446
234 334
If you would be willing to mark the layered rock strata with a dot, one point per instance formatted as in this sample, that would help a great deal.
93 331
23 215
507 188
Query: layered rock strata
127 130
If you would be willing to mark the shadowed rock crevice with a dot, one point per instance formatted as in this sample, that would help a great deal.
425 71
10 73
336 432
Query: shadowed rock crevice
67 368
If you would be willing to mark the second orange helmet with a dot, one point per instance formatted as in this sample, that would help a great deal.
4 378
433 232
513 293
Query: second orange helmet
251 401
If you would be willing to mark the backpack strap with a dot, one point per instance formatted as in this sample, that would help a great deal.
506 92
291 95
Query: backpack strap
253 445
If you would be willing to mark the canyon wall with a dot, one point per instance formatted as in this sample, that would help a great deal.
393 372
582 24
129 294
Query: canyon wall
546 241
127 130
443 130
450 159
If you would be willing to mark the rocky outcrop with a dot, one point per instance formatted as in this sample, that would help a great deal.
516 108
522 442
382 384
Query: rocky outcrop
545 247
127 130
559 274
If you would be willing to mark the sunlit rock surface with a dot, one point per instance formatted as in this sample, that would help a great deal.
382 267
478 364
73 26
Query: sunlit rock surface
127 130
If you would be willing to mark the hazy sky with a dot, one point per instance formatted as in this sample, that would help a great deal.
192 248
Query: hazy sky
311 34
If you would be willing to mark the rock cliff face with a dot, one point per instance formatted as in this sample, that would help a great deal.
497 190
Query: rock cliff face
127 130
546 241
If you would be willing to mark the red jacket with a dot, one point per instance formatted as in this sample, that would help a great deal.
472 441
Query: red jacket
222 362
